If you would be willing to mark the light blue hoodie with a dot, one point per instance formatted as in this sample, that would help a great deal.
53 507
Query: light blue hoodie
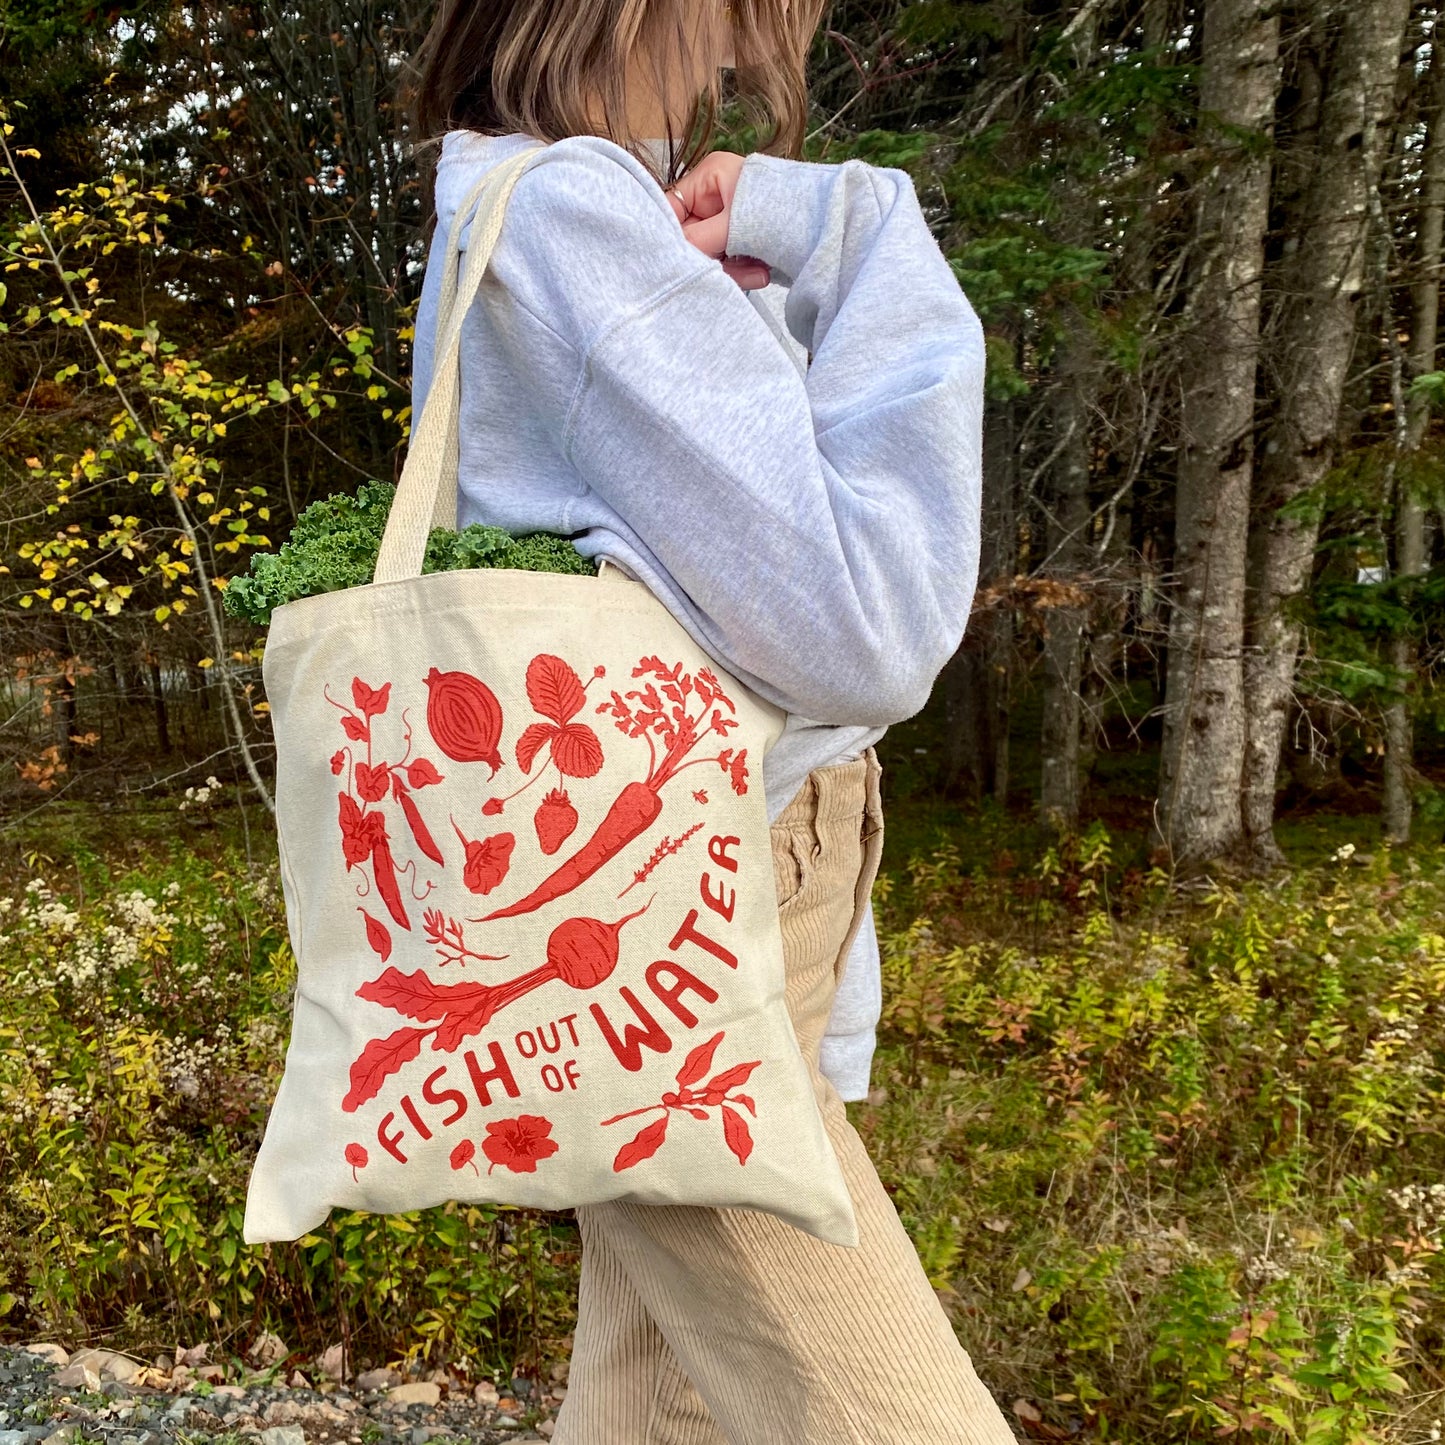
794 471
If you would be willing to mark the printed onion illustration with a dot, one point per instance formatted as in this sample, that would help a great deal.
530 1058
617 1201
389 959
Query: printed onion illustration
464 718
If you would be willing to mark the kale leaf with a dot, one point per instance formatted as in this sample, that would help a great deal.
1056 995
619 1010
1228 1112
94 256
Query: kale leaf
335 543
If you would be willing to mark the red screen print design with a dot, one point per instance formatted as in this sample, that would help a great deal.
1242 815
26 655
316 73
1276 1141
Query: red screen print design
663 712
696 1101
516 1144
556 692
582 952
673 712
364 836
464 718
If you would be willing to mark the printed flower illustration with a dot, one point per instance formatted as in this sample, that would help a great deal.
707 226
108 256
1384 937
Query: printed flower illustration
517 1144
356 1156
465 1153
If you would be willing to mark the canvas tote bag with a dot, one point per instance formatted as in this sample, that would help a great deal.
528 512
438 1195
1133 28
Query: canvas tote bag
526 863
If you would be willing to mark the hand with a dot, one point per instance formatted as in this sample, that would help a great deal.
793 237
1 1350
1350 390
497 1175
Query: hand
703 200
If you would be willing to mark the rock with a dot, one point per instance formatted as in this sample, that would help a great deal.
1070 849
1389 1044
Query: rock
377 1380
196 1355
559 1393
486 1393
13 1437
164 1362
62 1436
234 1392
49 1352
331 1362
213 1373
521 1389
298 1381
77 1377
108 1365
420 1392
283 1412
506 1422
420 1435
558 1373
268 1349
546 1428
283 1435
116 1389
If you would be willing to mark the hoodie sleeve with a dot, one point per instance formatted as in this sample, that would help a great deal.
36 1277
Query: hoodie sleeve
818 532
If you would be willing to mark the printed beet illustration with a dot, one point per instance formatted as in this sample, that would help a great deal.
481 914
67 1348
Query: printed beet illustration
581 952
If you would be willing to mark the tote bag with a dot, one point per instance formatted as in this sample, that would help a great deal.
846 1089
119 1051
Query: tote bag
526 864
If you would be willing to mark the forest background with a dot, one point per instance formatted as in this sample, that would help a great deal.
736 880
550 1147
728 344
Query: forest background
1161 1083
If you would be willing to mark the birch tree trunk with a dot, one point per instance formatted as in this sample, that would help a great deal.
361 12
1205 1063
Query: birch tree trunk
1321 282
1200 813
1409 513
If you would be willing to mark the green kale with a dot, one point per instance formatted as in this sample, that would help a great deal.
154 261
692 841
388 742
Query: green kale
335 543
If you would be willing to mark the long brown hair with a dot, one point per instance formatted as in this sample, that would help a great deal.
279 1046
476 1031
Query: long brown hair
504 66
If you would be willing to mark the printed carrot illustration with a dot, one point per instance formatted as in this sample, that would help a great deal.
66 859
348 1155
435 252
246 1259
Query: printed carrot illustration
662 711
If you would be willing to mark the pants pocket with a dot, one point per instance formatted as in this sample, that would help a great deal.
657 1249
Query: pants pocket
797 852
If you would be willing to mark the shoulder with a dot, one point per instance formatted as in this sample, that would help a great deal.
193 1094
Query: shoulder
588 234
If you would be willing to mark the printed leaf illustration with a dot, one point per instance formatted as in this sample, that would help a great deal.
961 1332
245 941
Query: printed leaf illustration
377 935
369 701
731 1078
487 860
644 1146
378 1061
372 782
576 751
359 835
534 738
554 689
698 1062
735 1131
416 996
421 773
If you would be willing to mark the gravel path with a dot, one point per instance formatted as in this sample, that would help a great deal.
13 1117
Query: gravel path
50 1397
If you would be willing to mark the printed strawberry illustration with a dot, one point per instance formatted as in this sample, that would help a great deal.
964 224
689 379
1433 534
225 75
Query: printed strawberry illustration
555 820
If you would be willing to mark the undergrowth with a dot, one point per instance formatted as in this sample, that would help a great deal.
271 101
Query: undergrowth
1175 1163
1173 1160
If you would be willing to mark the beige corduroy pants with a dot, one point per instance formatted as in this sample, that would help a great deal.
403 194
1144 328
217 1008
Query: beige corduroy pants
705 1326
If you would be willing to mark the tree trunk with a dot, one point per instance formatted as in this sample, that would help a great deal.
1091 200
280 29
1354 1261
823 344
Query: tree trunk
1409 513
1068 520
975 682
1200 816
1320 284
158 703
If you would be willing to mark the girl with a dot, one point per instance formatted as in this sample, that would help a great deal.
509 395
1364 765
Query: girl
755 386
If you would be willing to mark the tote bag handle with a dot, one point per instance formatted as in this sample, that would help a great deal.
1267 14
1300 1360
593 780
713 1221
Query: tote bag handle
426 496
